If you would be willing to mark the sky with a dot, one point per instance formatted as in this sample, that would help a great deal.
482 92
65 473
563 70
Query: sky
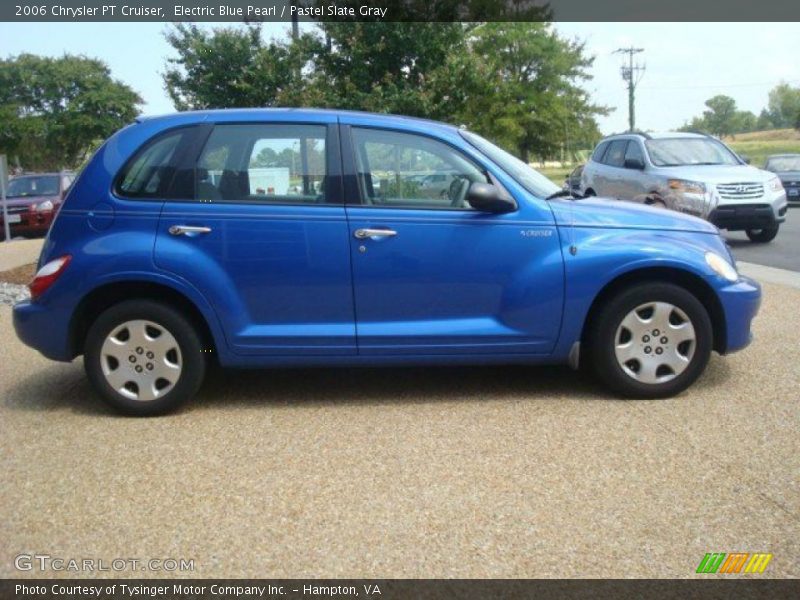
686 63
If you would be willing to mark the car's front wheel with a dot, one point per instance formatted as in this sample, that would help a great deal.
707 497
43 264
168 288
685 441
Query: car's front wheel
144 357
762 236
651 340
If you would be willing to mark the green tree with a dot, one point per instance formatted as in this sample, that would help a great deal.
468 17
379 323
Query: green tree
233 67
720 118
783 105
53 111
536 103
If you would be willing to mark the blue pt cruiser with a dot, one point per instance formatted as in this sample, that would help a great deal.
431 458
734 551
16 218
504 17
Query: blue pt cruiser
275 238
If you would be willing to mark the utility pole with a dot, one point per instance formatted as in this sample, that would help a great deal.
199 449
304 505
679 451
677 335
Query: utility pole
632 74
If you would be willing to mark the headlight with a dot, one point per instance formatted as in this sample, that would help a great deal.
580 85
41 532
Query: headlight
775 185
686 187
44 206
721 267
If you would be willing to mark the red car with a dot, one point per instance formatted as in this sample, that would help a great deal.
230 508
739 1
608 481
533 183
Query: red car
33 201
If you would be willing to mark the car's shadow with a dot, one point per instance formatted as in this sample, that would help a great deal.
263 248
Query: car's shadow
64 387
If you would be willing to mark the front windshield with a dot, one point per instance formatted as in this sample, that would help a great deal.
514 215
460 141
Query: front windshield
782 164
44 185
681 151
533 181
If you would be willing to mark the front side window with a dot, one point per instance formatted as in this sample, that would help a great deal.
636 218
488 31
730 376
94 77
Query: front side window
615 155
276 163
678 152
400 170
634 152
150 172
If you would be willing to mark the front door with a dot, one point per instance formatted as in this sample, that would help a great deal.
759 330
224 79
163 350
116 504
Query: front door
264 237
432 275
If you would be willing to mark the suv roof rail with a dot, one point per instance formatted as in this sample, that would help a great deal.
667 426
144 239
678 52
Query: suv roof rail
698 132
644 134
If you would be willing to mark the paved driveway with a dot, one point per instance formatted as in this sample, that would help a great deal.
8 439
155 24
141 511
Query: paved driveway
485 472
783 252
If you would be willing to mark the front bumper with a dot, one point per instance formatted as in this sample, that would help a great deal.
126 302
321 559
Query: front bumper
30 222
740 303
737 217
792 193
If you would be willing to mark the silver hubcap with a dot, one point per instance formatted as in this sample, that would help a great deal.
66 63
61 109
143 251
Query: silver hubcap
141 360
655 342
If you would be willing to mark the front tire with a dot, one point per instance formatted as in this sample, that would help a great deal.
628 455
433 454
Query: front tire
144 358
651 340
762 236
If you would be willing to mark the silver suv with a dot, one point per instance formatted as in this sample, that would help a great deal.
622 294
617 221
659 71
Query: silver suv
691 173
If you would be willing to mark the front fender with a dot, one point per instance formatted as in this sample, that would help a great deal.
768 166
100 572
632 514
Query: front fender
602 256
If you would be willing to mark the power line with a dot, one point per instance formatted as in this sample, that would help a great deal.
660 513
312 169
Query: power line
720 85
632 74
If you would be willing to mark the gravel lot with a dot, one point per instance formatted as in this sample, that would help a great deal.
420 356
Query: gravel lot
484 472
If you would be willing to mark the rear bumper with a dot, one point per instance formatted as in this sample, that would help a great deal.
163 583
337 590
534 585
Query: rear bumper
44 329
740 302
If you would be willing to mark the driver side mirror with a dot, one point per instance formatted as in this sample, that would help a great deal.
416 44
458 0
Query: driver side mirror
486 197
634 163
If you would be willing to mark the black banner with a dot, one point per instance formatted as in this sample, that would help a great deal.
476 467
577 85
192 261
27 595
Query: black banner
393 589
398 10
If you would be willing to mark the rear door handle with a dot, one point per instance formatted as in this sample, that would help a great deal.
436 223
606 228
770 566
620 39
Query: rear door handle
363 234
190 230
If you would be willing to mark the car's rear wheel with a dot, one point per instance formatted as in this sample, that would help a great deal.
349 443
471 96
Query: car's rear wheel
144 358
651 341
762 236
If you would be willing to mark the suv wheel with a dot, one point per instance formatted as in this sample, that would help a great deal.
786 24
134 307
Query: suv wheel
762 236
144 358
651 341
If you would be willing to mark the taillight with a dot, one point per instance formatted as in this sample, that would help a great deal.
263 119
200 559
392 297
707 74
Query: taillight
47 275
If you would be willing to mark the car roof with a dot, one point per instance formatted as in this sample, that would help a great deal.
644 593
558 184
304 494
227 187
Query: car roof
656 135
294 114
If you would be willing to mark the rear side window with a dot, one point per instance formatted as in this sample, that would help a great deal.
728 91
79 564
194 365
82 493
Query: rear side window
615 156
150 172
277 163
598 153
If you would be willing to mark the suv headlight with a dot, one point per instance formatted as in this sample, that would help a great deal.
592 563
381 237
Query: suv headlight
775 184
44 206
721 267
686 187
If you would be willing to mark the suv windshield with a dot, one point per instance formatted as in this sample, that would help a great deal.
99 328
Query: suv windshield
45 185
533 181
681 151
782 164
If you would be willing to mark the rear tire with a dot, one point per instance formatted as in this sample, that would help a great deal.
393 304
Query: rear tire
762 236
667 345
144 358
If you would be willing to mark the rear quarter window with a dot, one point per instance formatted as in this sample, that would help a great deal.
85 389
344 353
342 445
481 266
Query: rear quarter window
150 172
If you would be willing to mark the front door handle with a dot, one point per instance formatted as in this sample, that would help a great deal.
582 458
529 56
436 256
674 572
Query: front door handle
190 230
363 234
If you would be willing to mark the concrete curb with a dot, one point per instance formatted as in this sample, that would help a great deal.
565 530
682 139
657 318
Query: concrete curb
766 274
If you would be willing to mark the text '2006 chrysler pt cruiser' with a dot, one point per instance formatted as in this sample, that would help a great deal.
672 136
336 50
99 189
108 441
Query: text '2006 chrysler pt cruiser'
277 238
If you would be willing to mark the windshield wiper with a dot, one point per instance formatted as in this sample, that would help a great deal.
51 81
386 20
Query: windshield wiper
561 194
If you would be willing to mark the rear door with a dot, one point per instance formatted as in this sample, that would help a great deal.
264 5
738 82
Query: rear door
261 232
431 275
633 185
